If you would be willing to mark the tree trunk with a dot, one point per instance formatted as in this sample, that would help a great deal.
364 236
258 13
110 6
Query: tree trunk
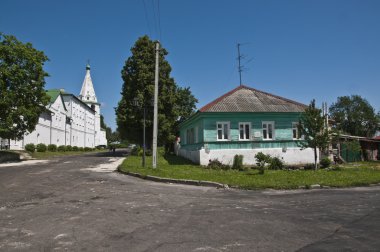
315 158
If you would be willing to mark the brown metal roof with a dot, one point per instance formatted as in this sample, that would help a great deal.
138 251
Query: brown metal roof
246 99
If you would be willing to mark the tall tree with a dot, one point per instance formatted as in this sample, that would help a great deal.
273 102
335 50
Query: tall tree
354 115
312 128
22 81
138 77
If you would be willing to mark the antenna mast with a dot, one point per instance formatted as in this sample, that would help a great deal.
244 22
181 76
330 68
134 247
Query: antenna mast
239 58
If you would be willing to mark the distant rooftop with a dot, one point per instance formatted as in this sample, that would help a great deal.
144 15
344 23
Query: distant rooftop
246 99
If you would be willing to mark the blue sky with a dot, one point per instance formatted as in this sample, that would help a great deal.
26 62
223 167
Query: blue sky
297 49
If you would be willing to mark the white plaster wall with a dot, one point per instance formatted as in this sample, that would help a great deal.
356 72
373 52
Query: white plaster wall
194 156
291 156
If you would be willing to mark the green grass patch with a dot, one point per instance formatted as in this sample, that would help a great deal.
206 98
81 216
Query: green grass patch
353 174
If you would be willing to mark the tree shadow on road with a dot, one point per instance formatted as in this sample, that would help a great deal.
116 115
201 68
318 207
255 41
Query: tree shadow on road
117 153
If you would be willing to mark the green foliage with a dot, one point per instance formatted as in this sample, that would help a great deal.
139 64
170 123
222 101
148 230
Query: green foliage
275 163
353 146
30 147
353 174
325 162
135 151
87 149
312 127
138 76
52 147
238 163
309 167
75 148
80 149
215 164
69 148
355 116
22 81
41 147
261 161
61 148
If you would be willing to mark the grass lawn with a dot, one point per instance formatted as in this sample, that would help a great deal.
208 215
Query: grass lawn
353 174
50 154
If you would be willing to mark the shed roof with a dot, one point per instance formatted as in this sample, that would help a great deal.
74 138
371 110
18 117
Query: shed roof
247 99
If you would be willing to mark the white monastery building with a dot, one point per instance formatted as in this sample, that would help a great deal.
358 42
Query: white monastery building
68 120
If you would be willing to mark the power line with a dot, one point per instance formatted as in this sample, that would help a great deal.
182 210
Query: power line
159 18
147 18
155 18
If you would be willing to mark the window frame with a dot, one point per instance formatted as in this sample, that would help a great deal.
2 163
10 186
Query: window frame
249 131
267 129
223 133
295 127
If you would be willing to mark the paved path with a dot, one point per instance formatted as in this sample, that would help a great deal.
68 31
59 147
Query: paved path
79 204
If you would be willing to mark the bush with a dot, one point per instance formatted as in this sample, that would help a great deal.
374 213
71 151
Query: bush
238 163
261 161
80 149
135 151
75 148
309 166
69 148
30 147
148 153
325 162
87 149
52 147
275 164
215 164
41 147
61 148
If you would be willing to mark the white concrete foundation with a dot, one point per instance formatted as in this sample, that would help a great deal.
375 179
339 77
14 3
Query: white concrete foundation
290 156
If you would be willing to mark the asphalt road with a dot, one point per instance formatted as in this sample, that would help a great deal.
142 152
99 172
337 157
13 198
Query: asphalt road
79 204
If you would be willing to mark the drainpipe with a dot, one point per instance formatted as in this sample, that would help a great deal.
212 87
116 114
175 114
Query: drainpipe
51 123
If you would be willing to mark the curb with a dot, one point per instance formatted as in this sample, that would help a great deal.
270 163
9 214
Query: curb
175 181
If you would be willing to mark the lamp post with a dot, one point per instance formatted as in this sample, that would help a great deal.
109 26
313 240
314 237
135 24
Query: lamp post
136 103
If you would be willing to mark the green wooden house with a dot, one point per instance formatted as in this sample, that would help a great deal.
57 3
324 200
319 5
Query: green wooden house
244 121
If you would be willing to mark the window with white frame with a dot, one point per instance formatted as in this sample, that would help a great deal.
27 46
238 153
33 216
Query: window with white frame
244 131
223 130
268 130
190 136
295 131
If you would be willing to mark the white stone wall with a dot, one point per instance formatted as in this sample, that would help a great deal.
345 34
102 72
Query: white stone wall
291 156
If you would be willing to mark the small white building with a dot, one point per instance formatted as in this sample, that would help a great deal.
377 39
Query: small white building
68 120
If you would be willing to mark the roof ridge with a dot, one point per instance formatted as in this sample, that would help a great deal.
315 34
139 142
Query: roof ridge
209 105
276 96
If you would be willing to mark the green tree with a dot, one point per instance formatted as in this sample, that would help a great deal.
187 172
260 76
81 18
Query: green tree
22 81
312 128
173 103
354 115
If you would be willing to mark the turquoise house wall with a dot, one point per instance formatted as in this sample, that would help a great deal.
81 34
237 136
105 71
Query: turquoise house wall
207 131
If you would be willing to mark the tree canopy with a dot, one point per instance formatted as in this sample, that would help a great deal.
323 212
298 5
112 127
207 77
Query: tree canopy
354 115
312 128
174 103
22 82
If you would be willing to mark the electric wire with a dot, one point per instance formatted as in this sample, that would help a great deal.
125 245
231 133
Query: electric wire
147 18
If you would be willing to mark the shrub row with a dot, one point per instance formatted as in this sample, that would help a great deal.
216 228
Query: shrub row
53 148
263 161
